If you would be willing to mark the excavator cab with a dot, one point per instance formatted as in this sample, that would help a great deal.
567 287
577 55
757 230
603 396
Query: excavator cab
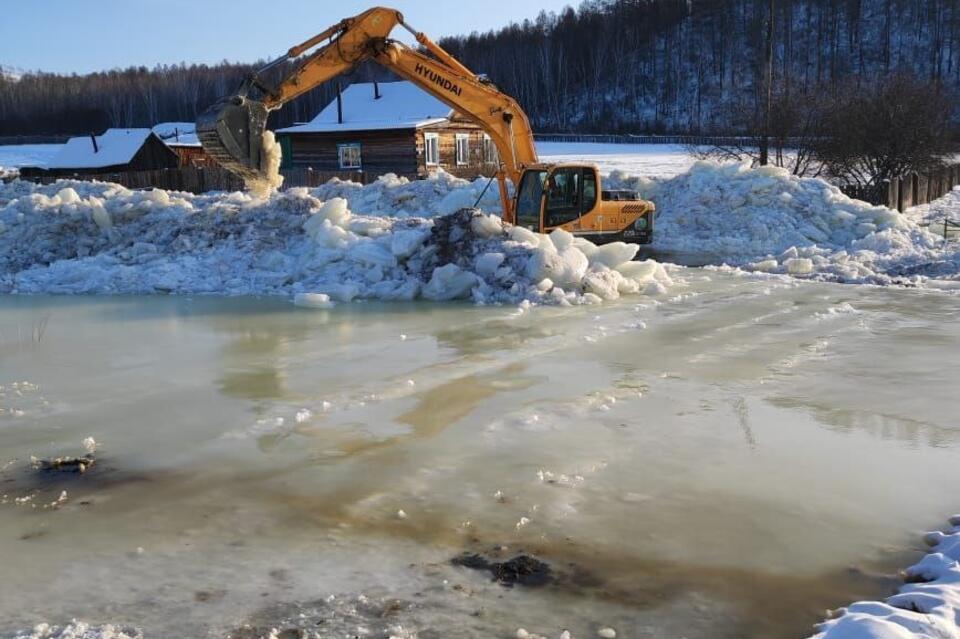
570 196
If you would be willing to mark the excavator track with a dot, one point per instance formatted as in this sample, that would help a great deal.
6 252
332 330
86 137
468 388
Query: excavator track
231 132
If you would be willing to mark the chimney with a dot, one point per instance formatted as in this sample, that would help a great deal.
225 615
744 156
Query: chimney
376 90
93 138
339 104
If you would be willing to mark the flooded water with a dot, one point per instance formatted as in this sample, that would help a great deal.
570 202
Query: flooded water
729 462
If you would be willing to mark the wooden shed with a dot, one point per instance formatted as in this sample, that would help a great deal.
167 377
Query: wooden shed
117 150
182 138
389 127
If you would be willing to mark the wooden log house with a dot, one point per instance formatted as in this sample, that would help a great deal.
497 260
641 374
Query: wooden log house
182 138
389 127
115 150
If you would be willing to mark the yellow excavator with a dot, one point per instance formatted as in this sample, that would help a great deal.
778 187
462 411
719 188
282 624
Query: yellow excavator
548 196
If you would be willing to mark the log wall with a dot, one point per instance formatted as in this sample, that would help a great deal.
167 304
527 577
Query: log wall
391 151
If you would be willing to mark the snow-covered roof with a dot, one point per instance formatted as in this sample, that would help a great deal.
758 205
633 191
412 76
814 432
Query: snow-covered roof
115 146
177 133
402 105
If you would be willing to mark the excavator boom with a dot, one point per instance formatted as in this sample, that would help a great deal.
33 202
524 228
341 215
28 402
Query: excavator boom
232 130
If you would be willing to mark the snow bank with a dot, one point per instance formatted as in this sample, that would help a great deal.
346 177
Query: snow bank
80 237
927 606
767 220
440 194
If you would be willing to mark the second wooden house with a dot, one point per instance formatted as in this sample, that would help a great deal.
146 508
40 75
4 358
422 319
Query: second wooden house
389 127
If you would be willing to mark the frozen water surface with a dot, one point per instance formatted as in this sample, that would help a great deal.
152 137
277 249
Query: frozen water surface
728 459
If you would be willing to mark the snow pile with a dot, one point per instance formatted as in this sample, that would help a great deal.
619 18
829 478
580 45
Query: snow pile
934 213
927 606
80 237
439 194
767 220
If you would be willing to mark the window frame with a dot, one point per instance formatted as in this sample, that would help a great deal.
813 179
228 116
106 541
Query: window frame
344 146
491 155
554 215
530 208
427 139
465 138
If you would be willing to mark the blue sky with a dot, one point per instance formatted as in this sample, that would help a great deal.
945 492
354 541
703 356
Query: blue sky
91 35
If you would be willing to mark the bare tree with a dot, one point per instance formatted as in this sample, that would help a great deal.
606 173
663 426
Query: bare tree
793 128
886 129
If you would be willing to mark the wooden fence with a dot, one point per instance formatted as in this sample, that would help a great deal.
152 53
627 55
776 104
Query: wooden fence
197 179
909 190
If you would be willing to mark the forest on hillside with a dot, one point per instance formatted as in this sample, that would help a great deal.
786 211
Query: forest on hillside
608 66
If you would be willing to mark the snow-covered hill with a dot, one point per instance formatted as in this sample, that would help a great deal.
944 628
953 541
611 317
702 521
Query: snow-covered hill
11 73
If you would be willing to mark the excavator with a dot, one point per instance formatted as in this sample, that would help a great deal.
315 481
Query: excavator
569 196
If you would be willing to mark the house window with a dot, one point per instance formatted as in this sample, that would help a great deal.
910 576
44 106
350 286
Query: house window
490 155
431 148
349 155
463 149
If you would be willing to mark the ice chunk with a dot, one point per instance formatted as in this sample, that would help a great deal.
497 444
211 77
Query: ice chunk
100 215
799 266
566 267
373 253
614 254
313 300
456 200
603 282
524 236
765 266
406 243
449 282
487 226
335 210
68 196
488 263
638 270
561 239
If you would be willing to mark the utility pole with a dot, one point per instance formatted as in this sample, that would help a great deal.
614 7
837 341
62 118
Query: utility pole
768 89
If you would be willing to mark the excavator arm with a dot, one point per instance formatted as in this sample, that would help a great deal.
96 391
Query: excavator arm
232 130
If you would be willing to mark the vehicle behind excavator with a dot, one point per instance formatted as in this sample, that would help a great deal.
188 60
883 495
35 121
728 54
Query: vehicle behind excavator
568 196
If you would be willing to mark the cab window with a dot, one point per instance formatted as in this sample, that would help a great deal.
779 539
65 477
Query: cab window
528 199
589 191
564 196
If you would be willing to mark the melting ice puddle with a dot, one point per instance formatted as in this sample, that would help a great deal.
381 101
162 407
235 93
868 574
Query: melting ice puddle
728 463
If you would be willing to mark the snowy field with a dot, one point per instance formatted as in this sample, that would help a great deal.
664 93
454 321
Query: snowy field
653 160
13 156
551 333
648 160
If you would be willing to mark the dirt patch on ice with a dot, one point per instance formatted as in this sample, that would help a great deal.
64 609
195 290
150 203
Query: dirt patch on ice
522 570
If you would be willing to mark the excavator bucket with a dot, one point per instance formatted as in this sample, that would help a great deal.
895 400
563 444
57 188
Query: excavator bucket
231 131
